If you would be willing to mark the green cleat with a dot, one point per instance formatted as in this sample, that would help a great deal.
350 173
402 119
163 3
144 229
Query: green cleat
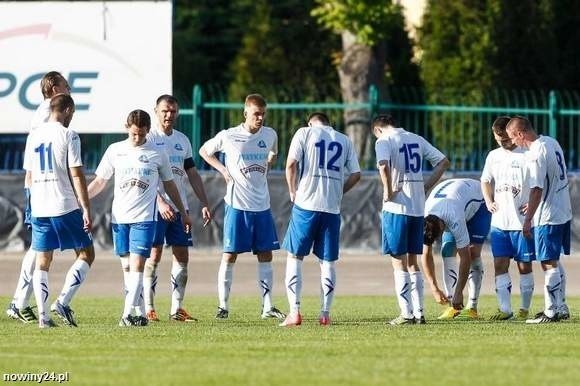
467 314
449 314
500 315
523 314
400 320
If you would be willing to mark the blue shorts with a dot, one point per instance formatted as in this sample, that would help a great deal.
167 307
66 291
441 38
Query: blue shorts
402 234
551 241
136 238
171 233
477 227
64 232
512 244
308 228
246 231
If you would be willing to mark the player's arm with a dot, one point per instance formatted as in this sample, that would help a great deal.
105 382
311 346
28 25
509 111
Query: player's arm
198 188
429 271
212 160
291 177
80 186
436 174
165 210
464 266
173 193
533 203
351 181
385 175
487 190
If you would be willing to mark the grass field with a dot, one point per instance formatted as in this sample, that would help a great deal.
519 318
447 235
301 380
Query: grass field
358 349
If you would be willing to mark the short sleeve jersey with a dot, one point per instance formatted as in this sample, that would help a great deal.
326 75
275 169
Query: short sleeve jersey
326 157
246 159
405 153
455 201
178 149
548 171
50 151
40 115
138 171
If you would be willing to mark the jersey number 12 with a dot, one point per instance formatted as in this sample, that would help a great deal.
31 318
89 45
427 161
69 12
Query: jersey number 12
333 147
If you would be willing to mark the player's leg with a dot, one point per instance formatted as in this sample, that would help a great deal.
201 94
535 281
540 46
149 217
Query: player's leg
415 247
525 255
326 248
264 241
502 251
450 264
564 311
19 308
298 242
225 277
150 270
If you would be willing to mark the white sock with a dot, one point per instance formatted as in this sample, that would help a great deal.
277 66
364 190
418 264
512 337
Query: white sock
526 290
563 281
450 270
503 289
75 276
125 267
265 279
40 285
327 283
149 284
417 291
403 292
24 286
474 282
225 277
551 291
134 289
178 283
293 283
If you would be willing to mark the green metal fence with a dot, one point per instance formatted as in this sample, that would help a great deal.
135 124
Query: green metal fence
461 131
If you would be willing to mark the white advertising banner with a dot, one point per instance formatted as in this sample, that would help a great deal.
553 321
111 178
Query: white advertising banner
115 55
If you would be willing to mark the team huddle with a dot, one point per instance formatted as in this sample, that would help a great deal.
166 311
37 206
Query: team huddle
523 197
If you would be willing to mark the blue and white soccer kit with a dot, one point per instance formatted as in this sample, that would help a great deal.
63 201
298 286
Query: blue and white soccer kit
402 216
326 157
246 160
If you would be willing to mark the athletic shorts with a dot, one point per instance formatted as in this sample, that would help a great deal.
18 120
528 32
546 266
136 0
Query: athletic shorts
246 231
477 227
402 234
309 228
60 232
512 244
136 238
551 241
171 232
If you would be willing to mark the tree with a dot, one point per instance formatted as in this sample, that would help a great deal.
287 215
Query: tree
366 27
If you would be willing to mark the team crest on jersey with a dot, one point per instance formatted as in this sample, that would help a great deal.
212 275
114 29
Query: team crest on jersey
178 147
143 158
261 143
253 168
177 171
134 182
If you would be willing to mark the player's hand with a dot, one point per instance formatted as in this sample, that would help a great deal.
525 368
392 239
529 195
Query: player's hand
87 222
387 197
527 228
524 209
206 215
292 196
227 176
492 207
186 221
439 296
166 211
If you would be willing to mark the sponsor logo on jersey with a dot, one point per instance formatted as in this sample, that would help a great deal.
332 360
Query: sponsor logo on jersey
134 182
261 143
253 168
254 156
178 147
177 171
143 158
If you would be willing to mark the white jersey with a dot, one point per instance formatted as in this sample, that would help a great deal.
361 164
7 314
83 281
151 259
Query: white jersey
50 152
246 159
455 202
507 172
325 158
548 171
41 114
405 153
137 171
178 149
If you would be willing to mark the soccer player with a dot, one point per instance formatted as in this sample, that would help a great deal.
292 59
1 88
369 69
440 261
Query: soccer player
250 149
328 168
137 166
169 229
53 164
400 155
505 190
548 207
457 207
52 83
